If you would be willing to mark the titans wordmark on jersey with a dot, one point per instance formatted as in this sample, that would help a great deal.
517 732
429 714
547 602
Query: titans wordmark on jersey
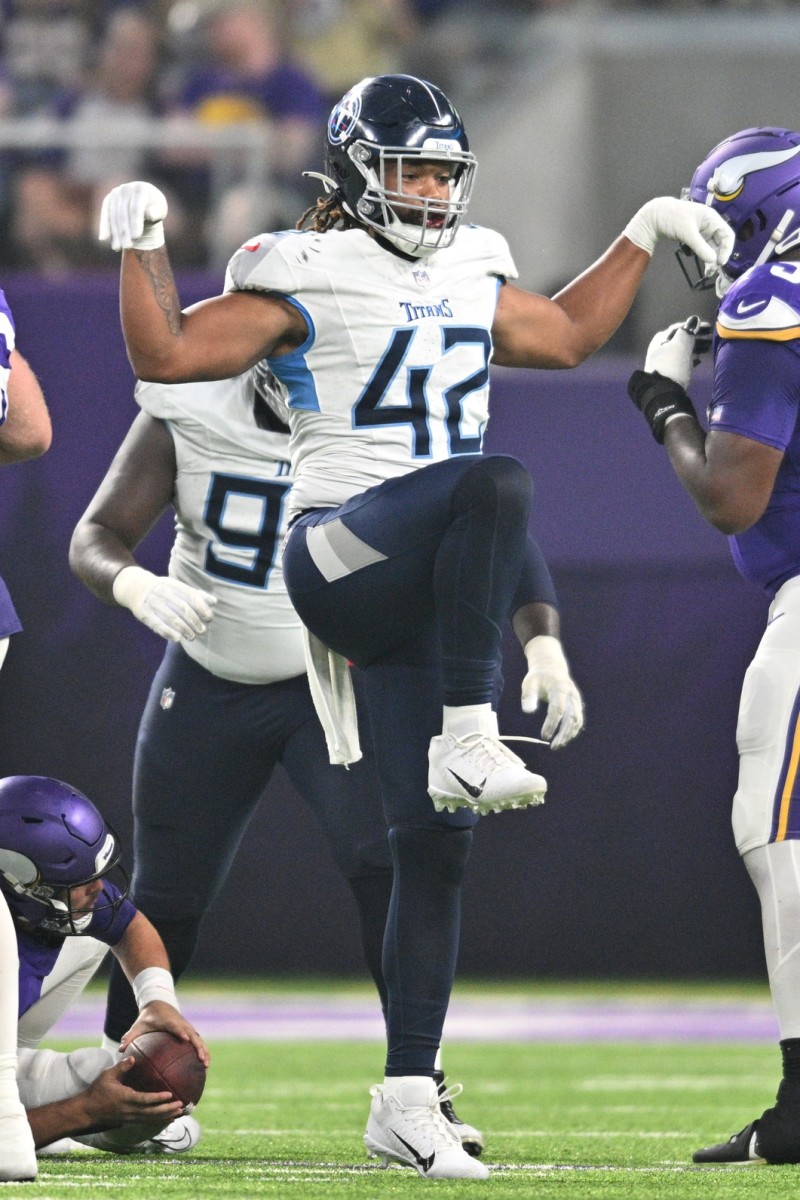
394 372
231 487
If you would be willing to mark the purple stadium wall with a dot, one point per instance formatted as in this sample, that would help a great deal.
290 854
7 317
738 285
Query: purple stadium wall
628 870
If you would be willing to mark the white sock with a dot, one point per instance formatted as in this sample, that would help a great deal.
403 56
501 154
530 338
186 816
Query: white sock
464 719
392 1083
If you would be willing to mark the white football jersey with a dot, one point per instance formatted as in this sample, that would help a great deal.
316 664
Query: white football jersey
394 373
230 504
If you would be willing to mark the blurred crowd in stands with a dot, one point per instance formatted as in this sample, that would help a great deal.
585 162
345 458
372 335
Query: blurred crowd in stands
220 102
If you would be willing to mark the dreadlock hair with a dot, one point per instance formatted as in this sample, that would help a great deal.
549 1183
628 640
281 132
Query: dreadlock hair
327 212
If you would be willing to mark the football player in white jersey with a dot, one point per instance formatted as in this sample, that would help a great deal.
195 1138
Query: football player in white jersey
231 699
379 319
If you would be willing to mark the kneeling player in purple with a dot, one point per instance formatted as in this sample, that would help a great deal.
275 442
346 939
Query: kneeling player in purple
743 472
58 859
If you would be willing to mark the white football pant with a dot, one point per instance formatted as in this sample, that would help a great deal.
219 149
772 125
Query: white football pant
766 807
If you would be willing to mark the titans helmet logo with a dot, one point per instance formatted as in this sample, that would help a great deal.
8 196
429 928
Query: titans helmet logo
343 118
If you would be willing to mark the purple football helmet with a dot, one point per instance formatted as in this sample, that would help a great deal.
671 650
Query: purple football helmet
389 119
52 838
752 179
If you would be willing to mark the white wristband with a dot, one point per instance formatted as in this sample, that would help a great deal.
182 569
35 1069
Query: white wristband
131 585
155 983
152 238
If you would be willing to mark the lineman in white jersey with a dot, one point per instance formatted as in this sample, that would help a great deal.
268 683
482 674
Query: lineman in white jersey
412 578
232 699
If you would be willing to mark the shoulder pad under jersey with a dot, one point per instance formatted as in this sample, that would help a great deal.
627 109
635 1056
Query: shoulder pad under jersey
200 402
490 247
764 304
259 265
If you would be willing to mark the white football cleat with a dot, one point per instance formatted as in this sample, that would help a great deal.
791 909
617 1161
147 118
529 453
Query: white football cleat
17 1151
479 772
406 1126
180 1135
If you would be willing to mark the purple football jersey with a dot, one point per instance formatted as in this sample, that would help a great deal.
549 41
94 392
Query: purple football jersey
757 395
38 952
9 621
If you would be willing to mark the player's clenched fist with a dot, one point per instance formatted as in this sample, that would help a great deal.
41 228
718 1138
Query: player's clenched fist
132 217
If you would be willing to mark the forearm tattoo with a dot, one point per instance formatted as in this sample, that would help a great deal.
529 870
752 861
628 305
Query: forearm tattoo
156 267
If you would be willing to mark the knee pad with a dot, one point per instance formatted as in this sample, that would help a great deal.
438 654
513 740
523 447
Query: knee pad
508 479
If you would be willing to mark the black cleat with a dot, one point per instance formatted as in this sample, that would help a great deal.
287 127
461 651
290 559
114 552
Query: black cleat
471 1138
740 1149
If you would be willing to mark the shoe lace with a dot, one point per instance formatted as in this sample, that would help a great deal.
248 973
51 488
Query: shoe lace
485 750
427 1119
447 1094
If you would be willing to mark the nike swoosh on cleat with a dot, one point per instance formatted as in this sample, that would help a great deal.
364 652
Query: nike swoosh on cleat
772 620
476 791
425 1163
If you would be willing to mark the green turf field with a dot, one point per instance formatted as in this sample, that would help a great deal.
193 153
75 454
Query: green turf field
284 1119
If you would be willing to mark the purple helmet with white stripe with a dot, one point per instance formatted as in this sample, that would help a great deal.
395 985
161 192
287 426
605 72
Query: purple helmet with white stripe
752 179
52 838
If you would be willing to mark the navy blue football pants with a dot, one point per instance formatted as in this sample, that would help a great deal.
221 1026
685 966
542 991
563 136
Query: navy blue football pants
412 581
202 764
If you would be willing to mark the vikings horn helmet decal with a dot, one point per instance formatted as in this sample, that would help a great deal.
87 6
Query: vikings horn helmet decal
752 179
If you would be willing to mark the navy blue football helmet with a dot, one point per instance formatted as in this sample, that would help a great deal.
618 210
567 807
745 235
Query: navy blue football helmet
752 179
389 119
52 838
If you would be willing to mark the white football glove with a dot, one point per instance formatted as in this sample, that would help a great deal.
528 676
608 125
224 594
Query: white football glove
675 351
697 226
549 679
132 217
170 608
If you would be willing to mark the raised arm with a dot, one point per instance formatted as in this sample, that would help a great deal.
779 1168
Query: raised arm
532 331
215 339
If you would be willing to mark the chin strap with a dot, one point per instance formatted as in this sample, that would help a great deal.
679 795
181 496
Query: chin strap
775 239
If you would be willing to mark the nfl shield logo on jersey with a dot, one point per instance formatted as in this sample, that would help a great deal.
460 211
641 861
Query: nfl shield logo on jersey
167 698
421 277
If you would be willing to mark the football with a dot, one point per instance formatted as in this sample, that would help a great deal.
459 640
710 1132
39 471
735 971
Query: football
164 1063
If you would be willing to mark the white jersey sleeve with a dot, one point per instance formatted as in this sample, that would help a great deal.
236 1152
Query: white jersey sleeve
232 483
